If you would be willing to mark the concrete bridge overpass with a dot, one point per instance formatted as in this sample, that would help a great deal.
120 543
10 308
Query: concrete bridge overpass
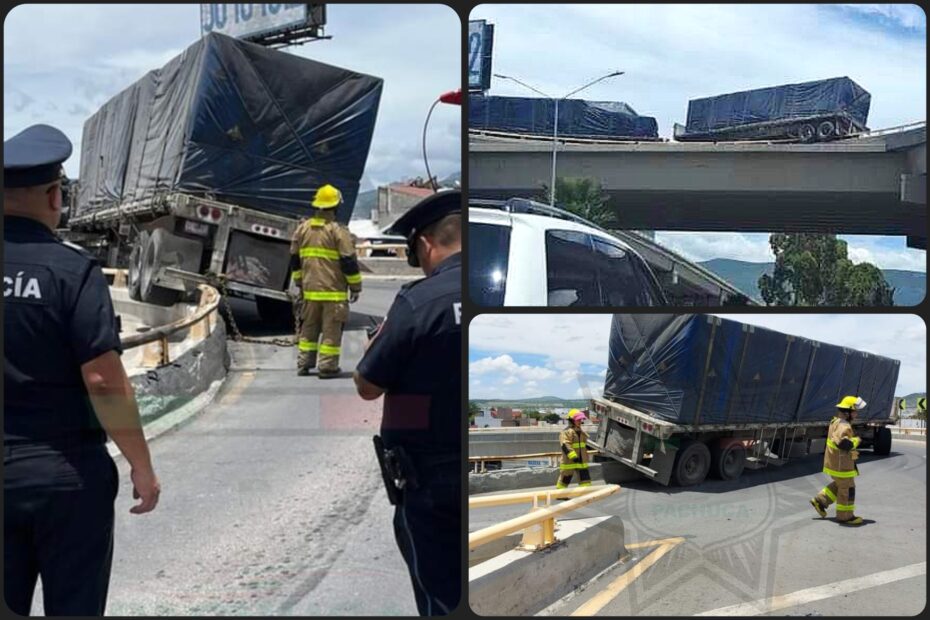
873 184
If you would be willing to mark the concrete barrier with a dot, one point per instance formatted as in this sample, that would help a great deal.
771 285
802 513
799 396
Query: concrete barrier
532 477
198 362
160 391
521 583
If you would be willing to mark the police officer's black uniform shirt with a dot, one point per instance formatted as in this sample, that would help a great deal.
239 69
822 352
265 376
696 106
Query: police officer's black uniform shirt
416 357
58 315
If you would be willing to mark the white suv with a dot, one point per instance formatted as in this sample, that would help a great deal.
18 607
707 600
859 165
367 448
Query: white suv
522 253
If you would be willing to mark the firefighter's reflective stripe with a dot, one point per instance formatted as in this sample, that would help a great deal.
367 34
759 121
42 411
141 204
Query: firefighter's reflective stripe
580 444
840 474
326 295
855 442
826 491
355 278
561 485
327 349
572 454
317 221
845 507
315 251
585 484
306 345
297 275
565 466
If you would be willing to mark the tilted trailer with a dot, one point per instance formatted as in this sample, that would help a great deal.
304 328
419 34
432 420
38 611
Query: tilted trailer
203 169
816 111
690 395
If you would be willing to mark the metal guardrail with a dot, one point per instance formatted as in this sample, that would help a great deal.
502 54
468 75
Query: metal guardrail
902 430
538 526
365 250
481 460
200 322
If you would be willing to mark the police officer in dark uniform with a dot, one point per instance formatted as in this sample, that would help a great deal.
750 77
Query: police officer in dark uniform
414 359
65 390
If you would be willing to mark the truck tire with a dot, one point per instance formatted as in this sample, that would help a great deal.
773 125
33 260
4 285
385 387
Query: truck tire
134 273
882 444
826 130
692 462
807 133
275 312
152 253
727 459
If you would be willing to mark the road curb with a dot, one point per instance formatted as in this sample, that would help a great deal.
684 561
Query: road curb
500 586
172 395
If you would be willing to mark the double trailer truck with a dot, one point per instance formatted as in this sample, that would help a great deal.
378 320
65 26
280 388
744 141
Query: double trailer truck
816 111
687 396
202 170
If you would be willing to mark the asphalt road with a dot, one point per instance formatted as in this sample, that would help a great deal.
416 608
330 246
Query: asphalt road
758 538
272 501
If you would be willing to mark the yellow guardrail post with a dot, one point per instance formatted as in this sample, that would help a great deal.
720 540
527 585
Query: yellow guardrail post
541 516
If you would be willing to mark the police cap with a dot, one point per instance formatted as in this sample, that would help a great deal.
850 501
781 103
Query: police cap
34 156
428 211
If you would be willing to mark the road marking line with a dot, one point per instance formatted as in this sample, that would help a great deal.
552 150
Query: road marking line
239 385
618 585
818 593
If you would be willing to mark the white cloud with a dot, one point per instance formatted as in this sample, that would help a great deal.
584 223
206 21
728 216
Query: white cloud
885 252
75 57
899 336
907 15
504 366
702 50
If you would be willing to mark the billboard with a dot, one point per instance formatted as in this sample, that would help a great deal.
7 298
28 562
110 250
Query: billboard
275 23
480 43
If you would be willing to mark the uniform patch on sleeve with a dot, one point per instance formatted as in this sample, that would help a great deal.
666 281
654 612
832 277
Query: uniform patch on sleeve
27 284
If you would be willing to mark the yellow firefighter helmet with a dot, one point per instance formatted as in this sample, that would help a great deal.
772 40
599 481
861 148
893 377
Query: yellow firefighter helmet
327 197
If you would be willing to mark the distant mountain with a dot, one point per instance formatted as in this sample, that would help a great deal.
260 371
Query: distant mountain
909 286
523 403
367 201
911 399
364 204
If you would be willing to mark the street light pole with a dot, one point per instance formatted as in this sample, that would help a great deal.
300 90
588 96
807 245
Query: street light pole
555 120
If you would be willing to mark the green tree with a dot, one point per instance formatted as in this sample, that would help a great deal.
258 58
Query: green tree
552 418
582 196
815 270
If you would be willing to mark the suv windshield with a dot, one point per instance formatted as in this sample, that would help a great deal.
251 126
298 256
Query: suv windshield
488 253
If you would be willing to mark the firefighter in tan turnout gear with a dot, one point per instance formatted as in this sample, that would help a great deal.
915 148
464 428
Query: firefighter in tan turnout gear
839 462
574 446
325 270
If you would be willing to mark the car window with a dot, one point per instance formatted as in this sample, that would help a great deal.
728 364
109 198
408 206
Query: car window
622 276
571 269
488 255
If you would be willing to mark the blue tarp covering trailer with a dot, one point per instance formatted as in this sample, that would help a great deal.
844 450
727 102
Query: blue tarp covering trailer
237 121
811 111
608 120
704 370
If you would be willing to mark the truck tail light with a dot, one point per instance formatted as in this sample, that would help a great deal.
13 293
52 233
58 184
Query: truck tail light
216 214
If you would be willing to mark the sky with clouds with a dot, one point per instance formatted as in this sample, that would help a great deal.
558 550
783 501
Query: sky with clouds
673 53
565 355
61 62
